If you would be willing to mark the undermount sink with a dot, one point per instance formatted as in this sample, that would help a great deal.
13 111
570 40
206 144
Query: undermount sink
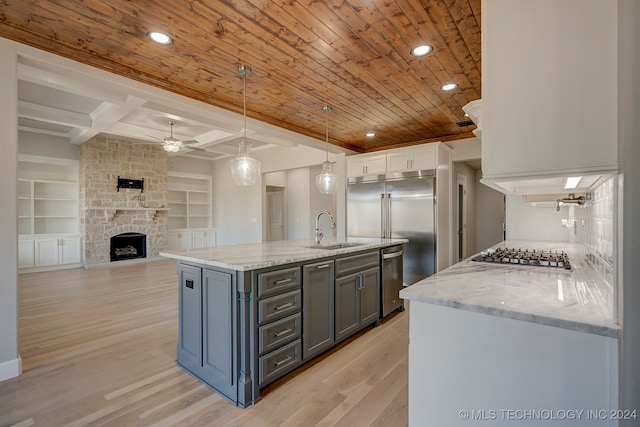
336 245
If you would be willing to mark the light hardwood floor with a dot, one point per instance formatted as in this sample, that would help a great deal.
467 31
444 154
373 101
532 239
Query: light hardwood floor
98 347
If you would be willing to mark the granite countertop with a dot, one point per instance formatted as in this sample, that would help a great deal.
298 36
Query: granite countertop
578 300
260 255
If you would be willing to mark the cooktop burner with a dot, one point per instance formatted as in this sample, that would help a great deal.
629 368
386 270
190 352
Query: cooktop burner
535 258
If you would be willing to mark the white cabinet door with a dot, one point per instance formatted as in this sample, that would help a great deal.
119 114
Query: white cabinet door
376 165
399 162
424 159
47 252
202 239
179 240
360 165
26 254
402 161
69 250
355 166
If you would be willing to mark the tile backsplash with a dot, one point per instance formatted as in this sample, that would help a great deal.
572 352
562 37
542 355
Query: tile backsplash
593 227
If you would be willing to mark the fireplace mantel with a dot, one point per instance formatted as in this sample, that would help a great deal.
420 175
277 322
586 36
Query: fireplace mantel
111 212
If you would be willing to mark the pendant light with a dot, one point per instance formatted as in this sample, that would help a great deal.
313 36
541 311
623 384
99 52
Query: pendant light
327 180
245 170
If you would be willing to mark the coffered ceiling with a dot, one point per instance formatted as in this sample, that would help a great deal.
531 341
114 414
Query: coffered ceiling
351 54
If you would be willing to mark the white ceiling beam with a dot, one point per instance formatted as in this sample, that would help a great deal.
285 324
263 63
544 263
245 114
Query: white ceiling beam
69 84
42 131
104 117
28 110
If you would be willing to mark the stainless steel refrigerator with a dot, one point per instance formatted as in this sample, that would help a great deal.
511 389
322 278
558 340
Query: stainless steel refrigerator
398 205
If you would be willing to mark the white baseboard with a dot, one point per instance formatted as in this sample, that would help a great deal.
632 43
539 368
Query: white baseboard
10 369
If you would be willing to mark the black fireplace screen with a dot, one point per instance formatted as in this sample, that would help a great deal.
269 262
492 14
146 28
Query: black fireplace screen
128 246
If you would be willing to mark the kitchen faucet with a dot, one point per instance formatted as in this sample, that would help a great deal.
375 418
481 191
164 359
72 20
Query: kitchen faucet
319 235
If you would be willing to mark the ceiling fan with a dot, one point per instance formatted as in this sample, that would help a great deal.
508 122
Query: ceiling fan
172 144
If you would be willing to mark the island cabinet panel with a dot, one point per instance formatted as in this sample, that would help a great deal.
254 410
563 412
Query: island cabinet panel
217 320
206 342
357 294
190 322
318 308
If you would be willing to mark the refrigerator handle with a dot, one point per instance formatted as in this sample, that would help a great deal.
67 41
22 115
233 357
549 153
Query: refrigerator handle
388 215
383 222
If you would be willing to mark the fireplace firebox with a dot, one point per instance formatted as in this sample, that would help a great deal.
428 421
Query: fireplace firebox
128 246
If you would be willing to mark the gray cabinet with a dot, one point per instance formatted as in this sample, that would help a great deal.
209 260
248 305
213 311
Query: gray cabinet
206 343
317 308
278 325
357 293
241 330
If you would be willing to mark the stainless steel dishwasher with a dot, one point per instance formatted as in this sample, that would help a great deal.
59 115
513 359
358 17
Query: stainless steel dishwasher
391 266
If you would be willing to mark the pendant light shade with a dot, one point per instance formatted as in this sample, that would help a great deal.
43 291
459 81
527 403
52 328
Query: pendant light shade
327 181
245 170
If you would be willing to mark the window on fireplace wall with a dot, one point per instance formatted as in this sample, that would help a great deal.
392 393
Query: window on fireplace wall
189 201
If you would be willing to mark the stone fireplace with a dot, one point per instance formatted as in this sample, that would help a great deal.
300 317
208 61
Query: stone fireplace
108 211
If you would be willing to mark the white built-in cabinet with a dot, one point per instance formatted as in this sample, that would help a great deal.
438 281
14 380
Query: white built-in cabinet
48 213
366 164
189 211
423 157
549 106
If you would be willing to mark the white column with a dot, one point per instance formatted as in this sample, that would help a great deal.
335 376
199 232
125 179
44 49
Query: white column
9 358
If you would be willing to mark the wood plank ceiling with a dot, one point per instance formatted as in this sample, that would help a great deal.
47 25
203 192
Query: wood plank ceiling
350 54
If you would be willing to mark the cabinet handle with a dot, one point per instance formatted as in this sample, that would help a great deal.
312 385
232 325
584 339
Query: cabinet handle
283 361
322 266
283 281
281 333
283 306
360 282
408 164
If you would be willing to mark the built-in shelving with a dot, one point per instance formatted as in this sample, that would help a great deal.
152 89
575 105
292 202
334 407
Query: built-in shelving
48 213
47 198
189 201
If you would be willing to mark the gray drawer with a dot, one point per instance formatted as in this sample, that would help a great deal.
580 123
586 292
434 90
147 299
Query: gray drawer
353 263
276 364
280 306
273 335
275 282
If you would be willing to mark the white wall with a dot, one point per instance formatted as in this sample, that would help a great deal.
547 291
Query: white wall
465 149
319 202
462 169
235 208
38 144
526 222
9 358
190 165
489 215
298 204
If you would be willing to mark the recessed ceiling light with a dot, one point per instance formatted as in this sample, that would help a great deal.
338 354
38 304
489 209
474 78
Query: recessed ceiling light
449 86
421 50
159 37
572 182
370 134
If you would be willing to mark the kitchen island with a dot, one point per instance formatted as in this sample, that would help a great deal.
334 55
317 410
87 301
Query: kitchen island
249 314
494 344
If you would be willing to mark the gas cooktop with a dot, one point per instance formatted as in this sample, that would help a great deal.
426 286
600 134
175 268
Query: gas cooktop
525 257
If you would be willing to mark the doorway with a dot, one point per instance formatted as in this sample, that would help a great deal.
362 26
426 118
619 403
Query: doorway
462 217
276 209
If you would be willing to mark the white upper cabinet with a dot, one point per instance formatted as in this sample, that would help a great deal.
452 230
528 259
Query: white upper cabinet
402 161
549 88
366 164
396 160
